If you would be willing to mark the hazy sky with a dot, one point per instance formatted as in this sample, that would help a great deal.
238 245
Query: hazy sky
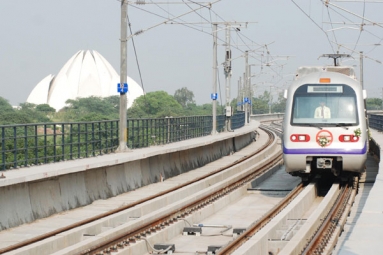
38 37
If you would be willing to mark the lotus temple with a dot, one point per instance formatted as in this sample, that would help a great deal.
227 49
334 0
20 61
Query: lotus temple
85 74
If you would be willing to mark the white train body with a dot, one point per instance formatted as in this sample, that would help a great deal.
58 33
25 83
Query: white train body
337 143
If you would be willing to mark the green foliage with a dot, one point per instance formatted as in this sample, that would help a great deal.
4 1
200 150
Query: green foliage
113 102
374 103
45 108
34 115
5 105
160 104
260 106
14 117
25 114
92 116
198 110
90 109
156 104
261 103
184 97
27 106
280 105
91 105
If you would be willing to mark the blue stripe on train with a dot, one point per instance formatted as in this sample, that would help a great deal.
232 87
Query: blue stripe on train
325 150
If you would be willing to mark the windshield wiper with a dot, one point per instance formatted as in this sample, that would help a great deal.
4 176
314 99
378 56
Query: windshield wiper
345 125
310 125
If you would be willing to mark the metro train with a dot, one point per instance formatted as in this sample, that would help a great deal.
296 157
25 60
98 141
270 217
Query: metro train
324 127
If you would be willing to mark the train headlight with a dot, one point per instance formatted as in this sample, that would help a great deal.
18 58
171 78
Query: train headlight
299 138
348 138
302 138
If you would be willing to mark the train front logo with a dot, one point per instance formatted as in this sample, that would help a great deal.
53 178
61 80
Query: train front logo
324 138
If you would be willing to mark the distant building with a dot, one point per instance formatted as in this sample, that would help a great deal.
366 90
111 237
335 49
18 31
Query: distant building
86 74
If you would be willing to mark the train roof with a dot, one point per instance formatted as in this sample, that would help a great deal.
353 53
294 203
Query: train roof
305 70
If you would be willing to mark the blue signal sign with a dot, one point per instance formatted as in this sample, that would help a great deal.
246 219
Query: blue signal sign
121 89
214 96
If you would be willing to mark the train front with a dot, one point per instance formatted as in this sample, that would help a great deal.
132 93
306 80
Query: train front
325 127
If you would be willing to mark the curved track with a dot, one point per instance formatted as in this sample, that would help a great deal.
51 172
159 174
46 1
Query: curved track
180 204
136 232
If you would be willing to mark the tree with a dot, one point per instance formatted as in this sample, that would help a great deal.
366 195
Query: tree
280 106
374 103
9 116
46 108
5 105
114 102
90 108
261 104
15 117
184 97
27 106
32 114
156 104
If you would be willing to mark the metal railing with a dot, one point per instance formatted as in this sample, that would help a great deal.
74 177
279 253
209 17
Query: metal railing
375 121
35 144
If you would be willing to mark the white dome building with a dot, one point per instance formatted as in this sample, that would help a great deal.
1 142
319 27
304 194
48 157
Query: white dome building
85 74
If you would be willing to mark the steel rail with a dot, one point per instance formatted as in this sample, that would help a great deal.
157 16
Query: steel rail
255 227
140 201
134 234
323 234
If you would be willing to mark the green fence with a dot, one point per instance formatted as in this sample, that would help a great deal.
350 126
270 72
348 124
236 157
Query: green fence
42 143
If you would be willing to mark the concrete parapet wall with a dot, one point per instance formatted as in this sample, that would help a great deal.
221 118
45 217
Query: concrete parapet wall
267 117
37 192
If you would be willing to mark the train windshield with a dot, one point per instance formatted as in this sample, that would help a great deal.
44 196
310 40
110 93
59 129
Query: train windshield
324 105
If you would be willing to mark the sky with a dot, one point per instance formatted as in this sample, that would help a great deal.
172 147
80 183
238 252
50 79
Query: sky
38 37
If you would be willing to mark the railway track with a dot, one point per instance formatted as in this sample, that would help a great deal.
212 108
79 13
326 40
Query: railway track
210 195
91 240
325 239
307 225
135 228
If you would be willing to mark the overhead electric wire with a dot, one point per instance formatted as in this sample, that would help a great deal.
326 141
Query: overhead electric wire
364 29
315 24
356 1
354 14
361 25
340 14
175 19
195 11
135 53
169 19
236 32
363 18
216 63
177 22
332 27
377 44
364 55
